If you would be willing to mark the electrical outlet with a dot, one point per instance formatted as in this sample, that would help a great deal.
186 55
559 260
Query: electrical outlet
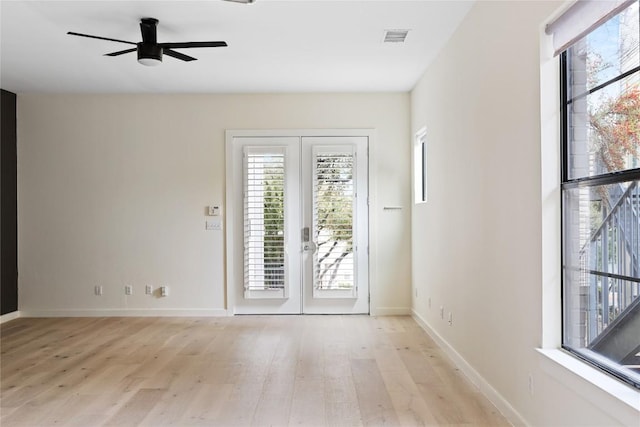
97 290
450 319
531 384
148 290
164 291
128 290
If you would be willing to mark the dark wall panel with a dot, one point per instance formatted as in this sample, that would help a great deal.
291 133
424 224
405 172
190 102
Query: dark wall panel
8 205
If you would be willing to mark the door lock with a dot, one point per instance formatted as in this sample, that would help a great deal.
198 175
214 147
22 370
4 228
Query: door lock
307 244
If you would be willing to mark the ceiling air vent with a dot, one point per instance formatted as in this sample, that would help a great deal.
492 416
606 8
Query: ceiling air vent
395 36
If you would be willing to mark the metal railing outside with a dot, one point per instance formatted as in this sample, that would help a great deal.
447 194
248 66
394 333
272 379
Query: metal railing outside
610 260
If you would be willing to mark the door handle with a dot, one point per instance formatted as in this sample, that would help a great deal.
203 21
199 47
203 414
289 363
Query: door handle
307 243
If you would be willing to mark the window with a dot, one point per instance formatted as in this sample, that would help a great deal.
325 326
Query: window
600 75
420 166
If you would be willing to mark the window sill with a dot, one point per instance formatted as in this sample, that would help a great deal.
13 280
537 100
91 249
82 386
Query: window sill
574 373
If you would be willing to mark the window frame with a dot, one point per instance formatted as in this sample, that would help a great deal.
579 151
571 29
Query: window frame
420 166
567 183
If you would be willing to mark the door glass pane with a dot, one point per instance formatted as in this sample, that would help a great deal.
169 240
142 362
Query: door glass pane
333 206
264 201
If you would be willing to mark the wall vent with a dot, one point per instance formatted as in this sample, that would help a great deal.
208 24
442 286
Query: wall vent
395 36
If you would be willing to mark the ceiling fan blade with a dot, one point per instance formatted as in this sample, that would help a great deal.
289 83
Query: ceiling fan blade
99 38
148 28
121 52
185 45
178 55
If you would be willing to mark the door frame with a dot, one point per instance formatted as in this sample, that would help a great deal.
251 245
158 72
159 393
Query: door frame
231 216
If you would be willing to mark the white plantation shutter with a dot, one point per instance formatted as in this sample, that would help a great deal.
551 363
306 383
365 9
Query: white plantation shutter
333 225
264 226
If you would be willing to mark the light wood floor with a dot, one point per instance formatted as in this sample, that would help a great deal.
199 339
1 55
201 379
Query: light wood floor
244 370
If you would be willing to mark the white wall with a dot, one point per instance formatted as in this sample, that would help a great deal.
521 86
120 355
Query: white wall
477 244
112 191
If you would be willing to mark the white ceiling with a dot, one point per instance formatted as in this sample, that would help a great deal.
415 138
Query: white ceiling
274 45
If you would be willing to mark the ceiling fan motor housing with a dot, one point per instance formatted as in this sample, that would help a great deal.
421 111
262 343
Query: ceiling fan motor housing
149 54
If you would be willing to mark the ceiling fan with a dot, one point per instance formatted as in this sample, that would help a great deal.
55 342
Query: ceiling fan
150 52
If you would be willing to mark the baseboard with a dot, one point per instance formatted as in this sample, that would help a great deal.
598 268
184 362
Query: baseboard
481 384
126 313
391 311
9 316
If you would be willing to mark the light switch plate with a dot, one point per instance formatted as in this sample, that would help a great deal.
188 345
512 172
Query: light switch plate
214 224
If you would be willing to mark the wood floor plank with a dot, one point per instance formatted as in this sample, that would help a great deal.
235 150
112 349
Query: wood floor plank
444 404
411 408
341 402
274 405
137 408
185 378
374 400
236 371
310 364
206 404
37 414
81 411
240 407
308 405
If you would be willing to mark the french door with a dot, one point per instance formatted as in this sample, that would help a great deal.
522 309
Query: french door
301 241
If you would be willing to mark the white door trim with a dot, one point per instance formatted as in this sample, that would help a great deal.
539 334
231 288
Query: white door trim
231 199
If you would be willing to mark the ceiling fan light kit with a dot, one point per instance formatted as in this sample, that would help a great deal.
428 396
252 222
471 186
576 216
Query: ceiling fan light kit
149 54
149 51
